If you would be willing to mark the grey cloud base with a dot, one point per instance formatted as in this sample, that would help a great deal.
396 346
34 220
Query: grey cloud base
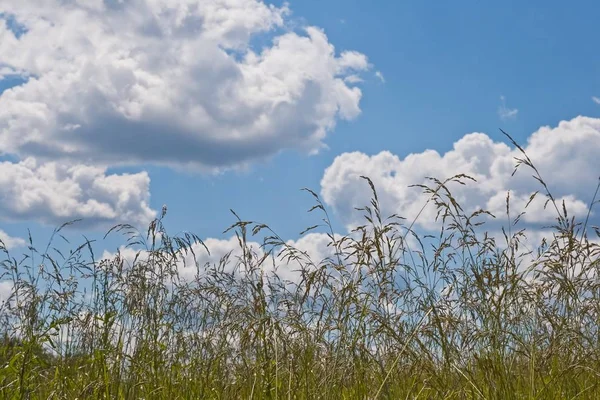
189 91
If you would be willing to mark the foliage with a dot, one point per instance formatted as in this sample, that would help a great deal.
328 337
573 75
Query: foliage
393 314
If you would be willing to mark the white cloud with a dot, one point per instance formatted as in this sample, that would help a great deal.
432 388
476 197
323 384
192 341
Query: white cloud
54 193
218 248
187 266
170 83
128 255
314 248
596 99
313 245
6 290
566 157
352 61
156 82
506 113
380 76
353 79
11 242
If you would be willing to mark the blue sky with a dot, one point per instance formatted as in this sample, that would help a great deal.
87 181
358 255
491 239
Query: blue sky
429 75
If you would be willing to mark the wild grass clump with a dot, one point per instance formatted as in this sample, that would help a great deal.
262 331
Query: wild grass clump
392 314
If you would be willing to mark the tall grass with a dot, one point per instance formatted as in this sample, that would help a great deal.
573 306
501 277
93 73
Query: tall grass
393 314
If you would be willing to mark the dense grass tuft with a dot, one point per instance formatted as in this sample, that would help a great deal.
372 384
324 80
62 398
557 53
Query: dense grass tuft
392 314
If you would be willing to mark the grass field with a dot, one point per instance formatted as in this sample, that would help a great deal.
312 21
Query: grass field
393 314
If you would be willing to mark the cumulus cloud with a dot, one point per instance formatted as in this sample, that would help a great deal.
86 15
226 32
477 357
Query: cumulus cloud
313 249
54 193
219 248
11 242
566 157
596 99
6 290
170 83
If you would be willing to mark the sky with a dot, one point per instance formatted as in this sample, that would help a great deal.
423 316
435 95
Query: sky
110 109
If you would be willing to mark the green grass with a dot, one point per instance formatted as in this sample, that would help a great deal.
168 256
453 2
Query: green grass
393 315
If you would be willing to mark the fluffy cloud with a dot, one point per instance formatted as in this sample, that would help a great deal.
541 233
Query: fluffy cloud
219 248
54 193
566 156
313 248
11 242
6 290
171 83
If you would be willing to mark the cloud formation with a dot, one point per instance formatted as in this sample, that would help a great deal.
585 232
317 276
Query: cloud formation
170 83
54 193
506 113
11 242
6 290
566 157
313 246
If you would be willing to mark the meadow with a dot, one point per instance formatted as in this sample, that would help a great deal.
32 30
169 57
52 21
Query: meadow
393 314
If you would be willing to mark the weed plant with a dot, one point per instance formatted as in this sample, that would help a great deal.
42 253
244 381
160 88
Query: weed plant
393 314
